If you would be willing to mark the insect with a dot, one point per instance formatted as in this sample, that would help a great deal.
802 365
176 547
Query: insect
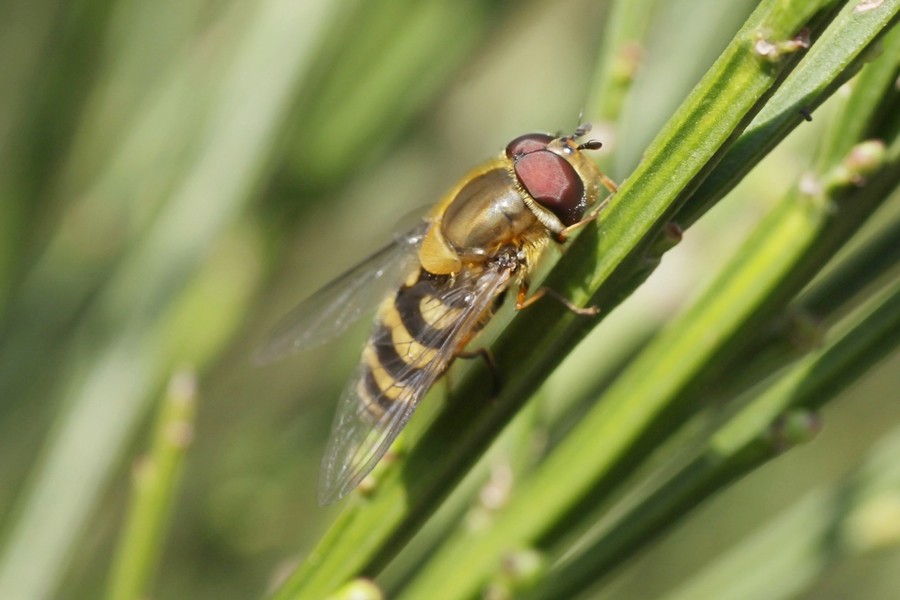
483 237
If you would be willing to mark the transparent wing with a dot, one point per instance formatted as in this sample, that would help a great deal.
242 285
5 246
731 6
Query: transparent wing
335 307
359 439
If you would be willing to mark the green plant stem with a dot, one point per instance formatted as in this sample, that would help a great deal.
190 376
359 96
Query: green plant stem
367 534
878 257
749 440
618 63
840 52
817 75
800 326
626 28
155 482
796 330
512 453
848 518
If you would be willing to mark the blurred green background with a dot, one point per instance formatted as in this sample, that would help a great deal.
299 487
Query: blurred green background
174 176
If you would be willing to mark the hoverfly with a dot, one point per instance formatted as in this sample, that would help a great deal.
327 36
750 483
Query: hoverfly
484 236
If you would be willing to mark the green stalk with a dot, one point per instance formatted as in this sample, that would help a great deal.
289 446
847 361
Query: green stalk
759 433
878 258
368 533
796 330
839 521
802 324
842 50
155 481
623 42
709 473
619 61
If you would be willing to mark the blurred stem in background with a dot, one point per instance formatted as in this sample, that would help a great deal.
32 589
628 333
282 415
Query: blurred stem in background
156 476
127 285
835 523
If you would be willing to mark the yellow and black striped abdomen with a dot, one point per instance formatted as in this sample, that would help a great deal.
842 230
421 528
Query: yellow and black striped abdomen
413 341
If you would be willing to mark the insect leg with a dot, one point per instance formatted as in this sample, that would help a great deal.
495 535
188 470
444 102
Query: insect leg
609 184
488 357
523 302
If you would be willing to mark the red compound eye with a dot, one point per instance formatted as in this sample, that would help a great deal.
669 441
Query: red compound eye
551 181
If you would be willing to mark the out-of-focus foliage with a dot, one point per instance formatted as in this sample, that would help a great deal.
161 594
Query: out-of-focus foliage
176 175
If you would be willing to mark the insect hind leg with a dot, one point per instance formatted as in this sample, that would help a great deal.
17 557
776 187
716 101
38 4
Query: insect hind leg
523 302
488 357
